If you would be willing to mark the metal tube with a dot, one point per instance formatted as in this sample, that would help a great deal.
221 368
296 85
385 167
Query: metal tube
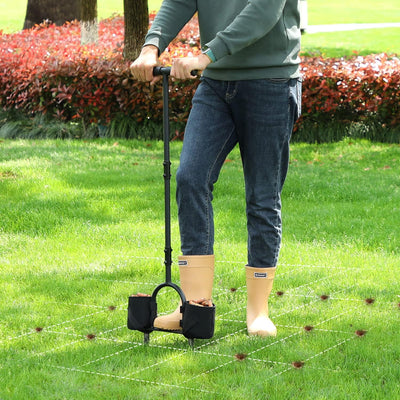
165 72
167 180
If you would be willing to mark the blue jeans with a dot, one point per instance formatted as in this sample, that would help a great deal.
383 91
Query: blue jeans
259 115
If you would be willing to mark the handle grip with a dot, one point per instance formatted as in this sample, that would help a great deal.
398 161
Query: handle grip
157 71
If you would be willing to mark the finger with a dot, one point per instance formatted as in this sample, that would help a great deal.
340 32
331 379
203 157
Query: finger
136 72
149 73
155 80
178 68
174 72
141 71
133 70
178 71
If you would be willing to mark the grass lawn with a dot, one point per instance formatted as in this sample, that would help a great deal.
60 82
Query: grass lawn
349 43
363 42
355 11
81 228
12 15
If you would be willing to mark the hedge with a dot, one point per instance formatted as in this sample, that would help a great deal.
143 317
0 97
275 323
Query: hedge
47 71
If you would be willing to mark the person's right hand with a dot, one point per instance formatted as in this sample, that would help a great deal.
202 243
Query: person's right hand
142 67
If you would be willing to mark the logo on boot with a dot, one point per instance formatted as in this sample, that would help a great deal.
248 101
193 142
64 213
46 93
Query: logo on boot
260 274
182 262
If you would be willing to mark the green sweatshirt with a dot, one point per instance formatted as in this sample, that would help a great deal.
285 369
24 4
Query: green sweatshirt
250 39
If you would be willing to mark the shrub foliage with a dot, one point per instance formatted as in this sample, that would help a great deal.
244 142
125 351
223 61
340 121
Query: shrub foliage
45 70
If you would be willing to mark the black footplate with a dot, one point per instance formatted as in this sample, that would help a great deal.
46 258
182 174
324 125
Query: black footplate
198 321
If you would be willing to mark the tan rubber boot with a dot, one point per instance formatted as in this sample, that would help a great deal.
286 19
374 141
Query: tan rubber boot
196 277
259 285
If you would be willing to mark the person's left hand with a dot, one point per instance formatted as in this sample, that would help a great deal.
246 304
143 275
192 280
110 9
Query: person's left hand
182 67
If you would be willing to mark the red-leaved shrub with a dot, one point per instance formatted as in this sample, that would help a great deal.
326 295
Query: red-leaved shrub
352 89
46 70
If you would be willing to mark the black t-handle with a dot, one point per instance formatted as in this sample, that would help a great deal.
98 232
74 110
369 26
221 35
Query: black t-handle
157 71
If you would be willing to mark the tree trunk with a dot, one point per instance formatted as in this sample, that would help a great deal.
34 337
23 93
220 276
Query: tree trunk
55 11
136 14
89 25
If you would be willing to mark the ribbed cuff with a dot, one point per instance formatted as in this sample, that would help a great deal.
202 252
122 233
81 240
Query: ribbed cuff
209 53
219 48
154 41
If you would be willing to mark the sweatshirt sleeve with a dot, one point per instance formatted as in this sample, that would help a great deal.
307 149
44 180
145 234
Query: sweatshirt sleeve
256 19
170 19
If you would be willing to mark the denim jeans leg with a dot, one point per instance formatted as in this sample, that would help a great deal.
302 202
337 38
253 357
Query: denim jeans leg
264 112
209 137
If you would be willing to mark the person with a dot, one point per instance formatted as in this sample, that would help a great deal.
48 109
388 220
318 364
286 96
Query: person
250 95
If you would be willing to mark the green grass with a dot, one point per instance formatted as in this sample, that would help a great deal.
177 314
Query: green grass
355 11
350 43
81 228
362 42
12 14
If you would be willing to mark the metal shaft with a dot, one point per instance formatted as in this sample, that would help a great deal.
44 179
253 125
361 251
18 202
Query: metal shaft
167 181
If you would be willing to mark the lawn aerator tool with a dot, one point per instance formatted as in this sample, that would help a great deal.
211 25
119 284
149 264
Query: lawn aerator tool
197 321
